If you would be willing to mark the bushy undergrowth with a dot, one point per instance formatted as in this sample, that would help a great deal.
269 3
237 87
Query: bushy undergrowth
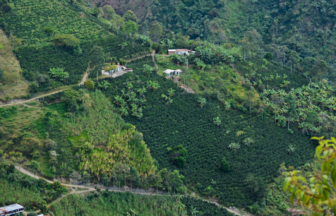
184 122
264 74
16 187
110 203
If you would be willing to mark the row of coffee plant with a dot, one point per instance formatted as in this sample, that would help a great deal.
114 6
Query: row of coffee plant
35 61
185 122
35 21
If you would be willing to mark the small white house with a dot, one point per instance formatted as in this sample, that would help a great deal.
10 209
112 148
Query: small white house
107 71
11 209
180 52
171 73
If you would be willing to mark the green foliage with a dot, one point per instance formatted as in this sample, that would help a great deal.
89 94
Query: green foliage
311 106
317 196
89 84
130 16
68 22
109 12
130 27
16 187
130 204
68 26
106 137
155 31
179 156
183 122
72 99
225 166
268 56
66 40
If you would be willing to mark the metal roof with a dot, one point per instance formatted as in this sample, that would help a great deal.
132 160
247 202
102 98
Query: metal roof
11 207
169 71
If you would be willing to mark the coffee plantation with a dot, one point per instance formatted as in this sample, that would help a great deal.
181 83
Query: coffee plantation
183 122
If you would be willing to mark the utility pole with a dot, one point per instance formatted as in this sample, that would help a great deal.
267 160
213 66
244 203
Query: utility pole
187 64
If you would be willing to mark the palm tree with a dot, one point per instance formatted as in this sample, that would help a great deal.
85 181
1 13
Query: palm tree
118 99
171 92
123 111
291 148
248 141
202 101
129 86
234 146
217 121
133 212
194 212
103 85
142 91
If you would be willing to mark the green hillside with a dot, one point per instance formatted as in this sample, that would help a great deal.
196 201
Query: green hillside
107 203
184 122
31 20
33 27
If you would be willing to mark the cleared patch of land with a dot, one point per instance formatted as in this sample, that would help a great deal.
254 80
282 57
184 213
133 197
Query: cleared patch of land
14 84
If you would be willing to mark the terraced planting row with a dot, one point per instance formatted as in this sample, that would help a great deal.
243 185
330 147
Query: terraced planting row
28 20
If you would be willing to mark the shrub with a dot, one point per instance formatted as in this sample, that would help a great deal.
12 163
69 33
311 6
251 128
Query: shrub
225 166
268 56
89 84
33 87
180 156
66 40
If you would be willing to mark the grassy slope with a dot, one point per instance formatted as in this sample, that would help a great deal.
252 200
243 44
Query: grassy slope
205 80
8 62
184 122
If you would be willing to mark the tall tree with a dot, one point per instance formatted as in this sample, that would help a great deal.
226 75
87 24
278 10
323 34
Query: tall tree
108 12
155 31
129 15
130 27
97 58
293 58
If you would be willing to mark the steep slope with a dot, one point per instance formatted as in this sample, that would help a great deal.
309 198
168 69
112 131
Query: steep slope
35 25
184 122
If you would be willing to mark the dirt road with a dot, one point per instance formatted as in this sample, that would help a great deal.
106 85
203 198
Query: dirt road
89 189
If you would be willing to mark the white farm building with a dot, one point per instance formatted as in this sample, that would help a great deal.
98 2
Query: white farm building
180 52
171 73
11 209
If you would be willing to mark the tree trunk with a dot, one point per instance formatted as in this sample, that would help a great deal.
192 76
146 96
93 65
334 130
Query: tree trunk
288 123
